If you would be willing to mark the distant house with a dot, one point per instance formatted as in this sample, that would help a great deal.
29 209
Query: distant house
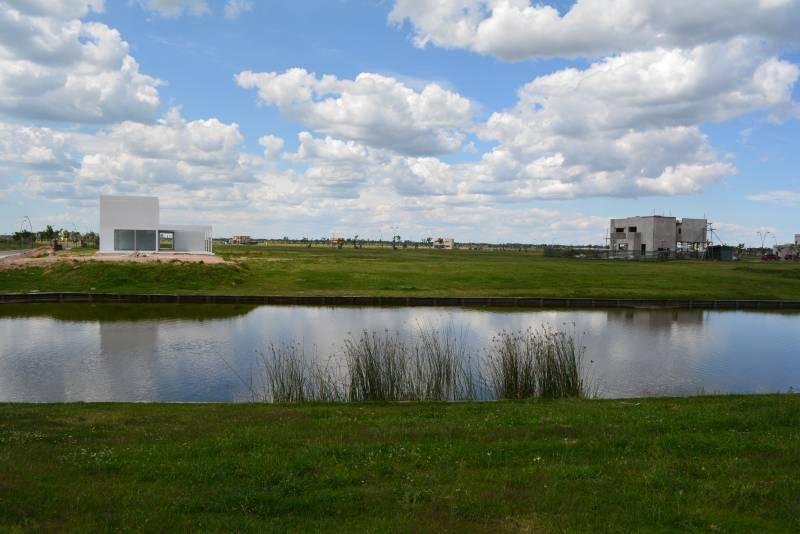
241 240
133 223
789 249
447 243
656 233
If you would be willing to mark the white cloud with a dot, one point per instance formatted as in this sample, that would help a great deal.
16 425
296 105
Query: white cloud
62 69
790 198
273 145
63 9
520 29
630 124
200 160
176 8
234 8
376 110
24 147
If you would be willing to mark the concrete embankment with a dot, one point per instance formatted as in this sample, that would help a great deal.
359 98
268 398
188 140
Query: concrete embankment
503 302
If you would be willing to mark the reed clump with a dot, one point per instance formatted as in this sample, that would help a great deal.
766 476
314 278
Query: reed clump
542 363
431 364
290 376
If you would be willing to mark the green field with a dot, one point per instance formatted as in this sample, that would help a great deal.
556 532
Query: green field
726 464
383 271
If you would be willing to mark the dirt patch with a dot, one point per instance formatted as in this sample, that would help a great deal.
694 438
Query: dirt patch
43 257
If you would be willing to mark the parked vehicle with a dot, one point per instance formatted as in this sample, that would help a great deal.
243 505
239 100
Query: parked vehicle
792 257
770 257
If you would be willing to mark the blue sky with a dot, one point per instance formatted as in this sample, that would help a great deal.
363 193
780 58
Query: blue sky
492 120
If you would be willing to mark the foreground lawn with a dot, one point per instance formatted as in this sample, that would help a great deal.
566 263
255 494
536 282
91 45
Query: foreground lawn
325 271
698 464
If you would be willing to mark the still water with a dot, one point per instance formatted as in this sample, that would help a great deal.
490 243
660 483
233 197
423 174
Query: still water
111 352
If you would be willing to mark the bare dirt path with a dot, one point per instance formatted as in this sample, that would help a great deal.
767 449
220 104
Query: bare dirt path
43 256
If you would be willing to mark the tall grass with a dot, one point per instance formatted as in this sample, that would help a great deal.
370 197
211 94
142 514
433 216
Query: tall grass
290 376
512 365
443 366
431 364
545 363
377 366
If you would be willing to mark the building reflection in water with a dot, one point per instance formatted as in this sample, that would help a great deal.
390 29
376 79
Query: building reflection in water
185 356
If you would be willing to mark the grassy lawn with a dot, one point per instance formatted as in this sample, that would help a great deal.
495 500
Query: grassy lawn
376 271
696 464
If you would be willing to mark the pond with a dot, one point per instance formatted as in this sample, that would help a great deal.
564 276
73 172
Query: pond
154 352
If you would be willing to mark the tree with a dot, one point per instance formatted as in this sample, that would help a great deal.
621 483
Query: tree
48 233
24 237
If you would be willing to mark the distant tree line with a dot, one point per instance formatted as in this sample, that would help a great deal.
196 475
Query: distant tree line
28 238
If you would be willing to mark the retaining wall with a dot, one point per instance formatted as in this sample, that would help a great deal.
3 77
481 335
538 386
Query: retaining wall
501 302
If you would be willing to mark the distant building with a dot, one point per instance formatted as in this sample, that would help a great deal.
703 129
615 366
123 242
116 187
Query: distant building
789 249
241 240
447 243
131 223
720 252
656 233
797 240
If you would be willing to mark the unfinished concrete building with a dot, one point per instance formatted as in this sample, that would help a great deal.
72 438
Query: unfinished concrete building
639 236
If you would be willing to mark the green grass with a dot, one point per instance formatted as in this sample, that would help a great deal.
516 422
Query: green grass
724 464
376 271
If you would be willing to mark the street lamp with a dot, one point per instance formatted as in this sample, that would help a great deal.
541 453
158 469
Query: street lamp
763 236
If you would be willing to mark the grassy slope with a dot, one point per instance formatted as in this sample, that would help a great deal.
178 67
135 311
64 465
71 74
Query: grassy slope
318 271
708 463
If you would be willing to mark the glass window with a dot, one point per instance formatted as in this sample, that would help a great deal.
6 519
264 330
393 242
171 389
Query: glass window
145 240
166 240
124 240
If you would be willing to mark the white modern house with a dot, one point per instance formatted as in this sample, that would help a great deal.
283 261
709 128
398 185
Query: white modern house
132 223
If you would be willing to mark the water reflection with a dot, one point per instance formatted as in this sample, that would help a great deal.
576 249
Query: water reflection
51 353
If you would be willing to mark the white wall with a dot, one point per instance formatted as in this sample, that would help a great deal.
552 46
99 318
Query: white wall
128 213
190 240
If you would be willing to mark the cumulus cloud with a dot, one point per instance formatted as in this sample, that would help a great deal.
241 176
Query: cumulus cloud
199 159
38 148
630 124
376 110
234 8
55 67
273 145
520 29
176 8
64 9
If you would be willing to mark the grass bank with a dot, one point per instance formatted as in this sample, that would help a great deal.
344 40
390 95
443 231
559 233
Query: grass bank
695 464
387 272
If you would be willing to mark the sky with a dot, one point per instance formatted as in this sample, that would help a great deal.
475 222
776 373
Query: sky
482 120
